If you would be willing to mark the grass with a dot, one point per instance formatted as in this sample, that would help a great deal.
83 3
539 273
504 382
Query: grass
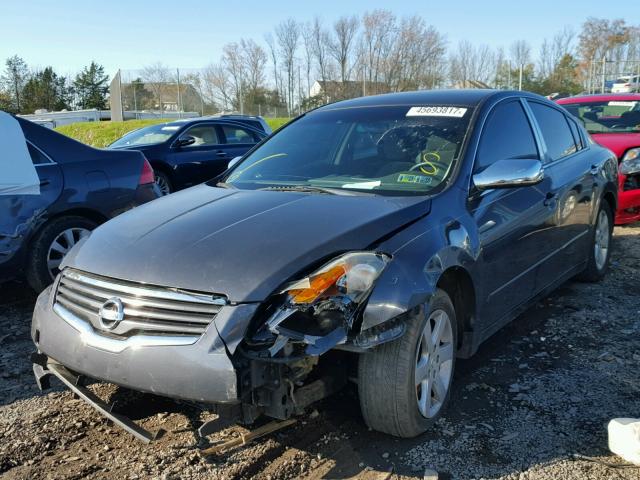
101 134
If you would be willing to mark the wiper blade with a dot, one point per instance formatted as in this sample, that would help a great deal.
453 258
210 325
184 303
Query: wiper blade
303 188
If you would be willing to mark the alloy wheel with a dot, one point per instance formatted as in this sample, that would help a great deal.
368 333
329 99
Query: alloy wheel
163 185
61 246
602 238
434 364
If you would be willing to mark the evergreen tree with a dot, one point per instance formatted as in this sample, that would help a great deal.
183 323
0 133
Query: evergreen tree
91 86
45 89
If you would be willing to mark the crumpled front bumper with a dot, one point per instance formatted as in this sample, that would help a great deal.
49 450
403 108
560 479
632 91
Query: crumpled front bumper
201 371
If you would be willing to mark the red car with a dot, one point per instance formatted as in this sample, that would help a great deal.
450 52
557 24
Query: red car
614 122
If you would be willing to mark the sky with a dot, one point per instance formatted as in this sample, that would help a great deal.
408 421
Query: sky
190 33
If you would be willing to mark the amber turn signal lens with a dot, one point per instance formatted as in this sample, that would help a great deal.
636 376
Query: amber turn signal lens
318 284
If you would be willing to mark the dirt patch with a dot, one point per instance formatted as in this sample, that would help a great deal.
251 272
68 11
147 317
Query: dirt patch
537 394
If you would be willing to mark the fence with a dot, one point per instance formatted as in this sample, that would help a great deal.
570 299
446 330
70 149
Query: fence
162 92
604 73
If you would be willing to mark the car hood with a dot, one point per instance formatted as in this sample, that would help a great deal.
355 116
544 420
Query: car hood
243 244
618 143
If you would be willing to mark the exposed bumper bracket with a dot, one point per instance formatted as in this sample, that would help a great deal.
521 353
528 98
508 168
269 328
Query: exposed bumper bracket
74 383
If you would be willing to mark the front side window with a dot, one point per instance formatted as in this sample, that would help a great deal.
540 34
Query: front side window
395 150
613 116
204 135
555 130
507 135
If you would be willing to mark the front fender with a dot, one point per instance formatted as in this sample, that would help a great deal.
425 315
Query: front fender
412 276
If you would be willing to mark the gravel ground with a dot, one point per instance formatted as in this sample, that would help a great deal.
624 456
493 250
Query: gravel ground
531 404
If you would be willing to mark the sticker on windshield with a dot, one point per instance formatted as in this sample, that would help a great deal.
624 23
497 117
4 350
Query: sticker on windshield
437 111
363 185
618 103
406 178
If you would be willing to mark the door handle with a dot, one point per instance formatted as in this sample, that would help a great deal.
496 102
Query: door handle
44 183
595 169
550 199
221 153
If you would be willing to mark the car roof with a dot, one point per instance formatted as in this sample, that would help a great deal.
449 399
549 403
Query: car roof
468 97
601 98
225 120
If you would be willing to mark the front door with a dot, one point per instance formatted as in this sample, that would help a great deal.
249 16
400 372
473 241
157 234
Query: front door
203 159
511 222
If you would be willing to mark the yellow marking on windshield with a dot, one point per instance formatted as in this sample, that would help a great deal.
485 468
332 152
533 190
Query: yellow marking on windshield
425 161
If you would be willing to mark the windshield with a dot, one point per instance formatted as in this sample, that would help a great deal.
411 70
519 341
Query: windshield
147 136
397 150
613 116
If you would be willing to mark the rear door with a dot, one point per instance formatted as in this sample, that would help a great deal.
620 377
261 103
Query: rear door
237 139
511 222
19 213
568 185
49 172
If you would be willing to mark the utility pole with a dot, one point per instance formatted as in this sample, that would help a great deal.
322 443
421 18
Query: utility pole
179 96
604 70
240 97
299 90
520 79
364 80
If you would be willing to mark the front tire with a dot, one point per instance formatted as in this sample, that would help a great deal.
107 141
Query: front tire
404 385
51 244
600 245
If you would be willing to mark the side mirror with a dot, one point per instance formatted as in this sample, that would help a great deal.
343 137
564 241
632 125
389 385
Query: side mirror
185 141
233 161
509 173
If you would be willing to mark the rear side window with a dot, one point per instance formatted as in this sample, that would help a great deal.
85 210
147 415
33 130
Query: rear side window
37 157
576 134
555 130
506 135
237 135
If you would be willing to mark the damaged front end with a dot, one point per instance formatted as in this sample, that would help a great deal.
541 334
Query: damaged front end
296 350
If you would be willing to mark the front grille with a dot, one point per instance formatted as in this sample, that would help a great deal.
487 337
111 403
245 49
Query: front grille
148 310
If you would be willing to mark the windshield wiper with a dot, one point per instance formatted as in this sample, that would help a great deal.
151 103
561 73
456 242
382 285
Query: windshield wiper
225 185
304 188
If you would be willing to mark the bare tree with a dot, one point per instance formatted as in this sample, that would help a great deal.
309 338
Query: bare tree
308 43
288 35
471 63
216 86
14 79
520 52
321 40
554 50
418 58
273 52
342 46
377 42
156 77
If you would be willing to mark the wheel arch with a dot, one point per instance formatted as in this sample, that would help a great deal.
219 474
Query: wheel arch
610 198
458 284
87 213
162 167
